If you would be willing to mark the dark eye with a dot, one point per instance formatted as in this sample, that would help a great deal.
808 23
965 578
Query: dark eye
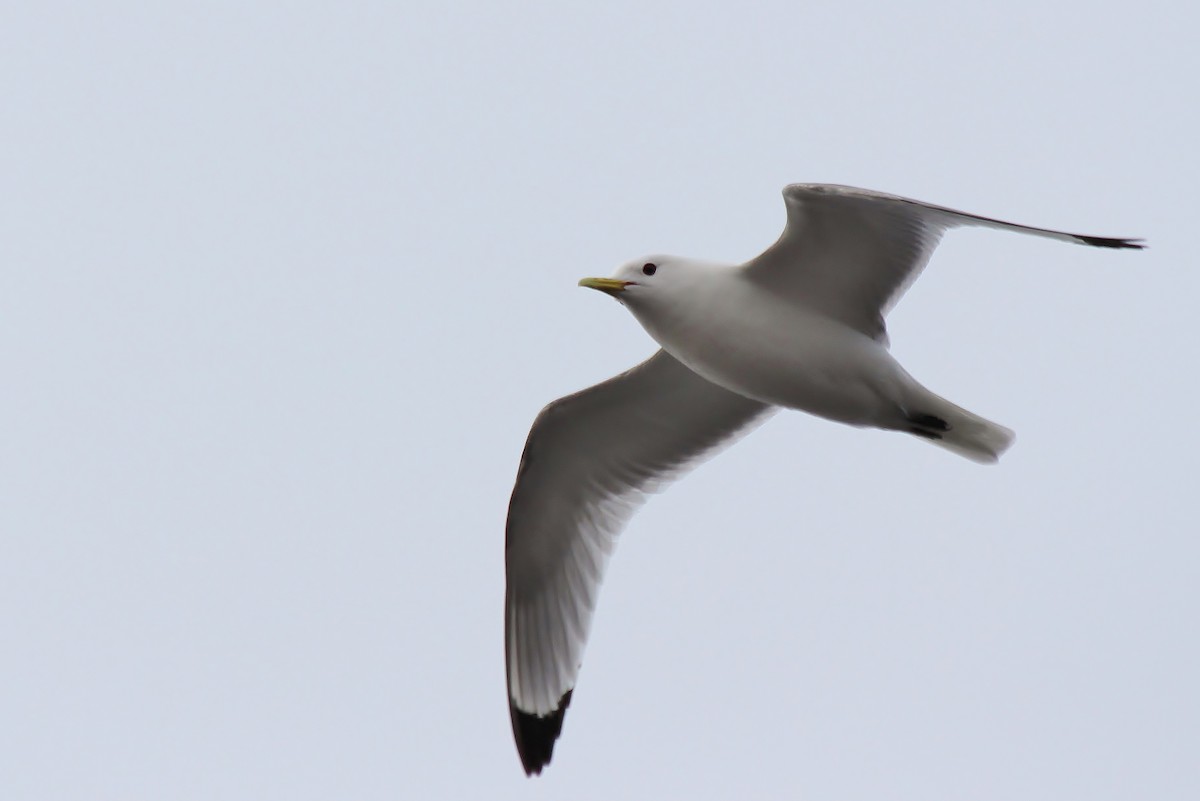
649 269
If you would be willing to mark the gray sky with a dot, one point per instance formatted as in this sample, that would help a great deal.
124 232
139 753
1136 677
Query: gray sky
282 287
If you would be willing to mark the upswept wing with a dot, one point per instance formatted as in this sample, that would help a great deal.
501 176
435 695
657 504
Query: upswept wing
851 253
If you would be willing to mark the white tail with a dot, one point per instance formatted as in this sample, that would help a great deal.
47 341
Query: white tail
967 434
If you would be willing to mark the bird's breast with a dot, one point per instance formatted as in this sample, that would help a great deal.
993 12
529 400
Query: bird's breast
768 349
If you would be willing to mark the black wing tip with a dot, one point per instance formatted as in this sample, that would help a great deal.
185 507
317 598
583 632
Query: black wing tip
536 734
1110 242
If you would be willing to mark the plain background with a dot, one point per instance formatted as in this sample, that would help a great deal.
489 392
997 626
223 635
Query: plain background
282 287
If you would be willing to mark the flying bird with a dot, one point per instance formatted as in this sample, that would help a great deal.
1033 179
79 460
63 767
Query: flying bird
801 326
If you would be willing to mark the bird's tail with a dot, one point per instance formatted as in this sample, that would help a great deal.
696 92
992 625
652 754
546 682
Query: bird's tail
955 429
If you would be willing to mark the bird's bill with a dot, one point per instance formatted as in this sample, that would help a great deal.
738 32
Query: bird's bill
611 286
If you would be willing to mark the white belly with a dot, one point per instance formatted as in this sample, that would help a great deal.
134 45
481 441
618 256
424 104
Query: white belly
787 356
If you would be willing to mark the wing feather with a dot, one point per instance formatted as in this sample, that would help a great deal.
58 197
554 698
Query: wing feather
852 253
589 462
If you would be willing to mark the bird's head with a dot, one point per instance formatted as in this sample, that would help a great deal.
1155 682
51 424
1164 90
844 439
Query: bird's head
645 280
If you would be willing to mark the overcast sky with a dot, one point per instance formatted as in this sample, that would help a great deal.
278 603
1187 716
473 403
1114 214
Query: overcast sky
282 287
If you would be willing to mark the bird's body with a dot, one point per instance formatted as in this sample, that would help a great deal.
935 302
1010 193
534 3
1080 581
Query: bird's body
801 326
784 354
789 355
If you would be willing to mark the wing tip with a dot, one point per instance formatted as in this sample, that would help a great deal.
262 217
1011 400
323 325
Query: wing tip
536 734
1118 243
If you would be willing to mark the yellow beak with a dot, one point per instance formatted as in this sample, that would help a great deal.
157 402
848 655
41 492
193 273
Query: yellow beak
611 286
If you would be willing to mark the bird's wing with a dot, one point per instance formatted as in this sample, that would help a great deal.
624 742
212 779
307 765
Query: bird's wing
589 461
851 253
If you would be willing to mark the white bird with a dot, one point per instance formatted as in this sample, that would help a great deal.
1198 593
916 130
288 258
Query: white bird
800 327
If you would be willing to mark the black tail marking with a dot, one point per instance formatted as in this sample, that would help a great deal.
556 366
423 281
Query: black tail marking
929 422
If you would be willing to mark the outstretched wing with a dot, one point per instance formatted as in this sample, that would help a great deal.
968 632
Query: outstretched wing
851 253
589 462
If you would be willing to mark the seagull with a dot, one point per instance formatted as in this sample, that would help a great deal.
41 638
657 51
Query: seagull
800 326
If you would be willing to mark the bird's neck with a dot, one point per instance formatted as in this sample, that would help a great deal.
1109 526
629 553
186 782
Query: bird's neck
693 309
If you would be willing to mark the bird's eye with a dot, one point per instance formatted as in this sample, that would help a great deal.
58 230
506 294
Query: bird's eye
649 269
